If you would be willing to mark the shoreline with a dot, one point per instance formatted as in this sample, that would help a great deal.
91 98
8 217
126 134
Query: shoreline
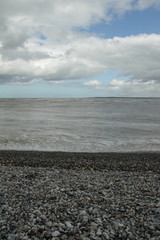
102 161
79 196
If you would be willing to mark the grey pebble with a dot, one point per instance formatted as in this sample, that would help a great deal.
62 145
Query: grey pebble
12 236
56 234
68 224
93 205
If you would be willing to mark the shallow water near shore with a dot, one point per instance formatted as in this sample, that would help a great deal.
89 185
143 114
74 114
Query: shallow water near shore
82 125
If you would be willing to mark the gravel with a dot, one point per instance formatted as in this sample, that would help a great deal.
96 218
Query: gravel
64 201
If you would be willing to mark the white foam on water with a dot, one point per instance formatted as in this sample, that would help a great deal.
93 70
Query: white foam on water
92 125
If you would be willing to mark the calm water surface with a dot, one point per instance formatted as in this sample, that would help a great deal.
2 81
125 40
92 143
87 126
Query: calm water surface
93 124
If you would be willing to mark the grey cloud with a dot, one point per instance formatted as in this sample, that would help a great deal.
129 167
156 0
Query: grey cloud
136 56
13 40
66 53
24 54
11 79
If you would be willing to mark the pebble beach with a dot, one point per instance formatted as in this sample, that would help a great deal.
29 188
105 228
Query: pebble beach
81 196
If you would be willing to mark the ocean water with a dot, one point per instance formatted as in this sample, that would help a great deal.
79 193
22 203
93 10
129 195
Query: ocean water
88 124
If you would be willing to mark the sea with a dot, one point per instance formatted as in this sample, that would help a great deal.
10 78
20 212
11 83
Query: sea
80 124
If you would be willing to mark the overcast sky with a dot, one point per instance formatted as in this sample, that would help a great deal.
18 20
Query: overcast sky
79 48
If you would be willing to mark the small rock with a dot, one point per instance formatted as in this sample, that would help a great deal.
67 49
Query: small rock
106 236
68 224
112 231
99 232
56 234
48 196
46 234
63 237
99 221
157 233
49 224
131 236
12 236
94 225
85 219
151 227
82 212
61 225
84 238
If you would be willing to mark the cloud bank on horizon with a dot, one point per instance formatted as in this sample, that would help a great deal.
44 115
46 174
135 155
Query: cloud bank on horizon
51 40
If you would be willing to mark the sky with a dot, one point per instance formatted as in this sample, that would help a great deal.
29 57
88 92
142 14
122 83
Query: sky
79 48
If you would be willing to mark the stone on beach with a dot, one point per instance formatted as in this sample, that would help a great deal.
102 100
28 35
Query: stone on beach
58 204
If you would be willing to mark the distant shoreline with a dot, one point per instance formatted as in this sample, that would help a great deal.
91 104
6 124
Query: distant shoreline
78 97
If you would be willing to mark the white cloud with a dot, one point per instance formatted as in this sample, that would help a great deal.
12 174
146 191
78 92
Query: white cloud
39 39
93 83
135 88
136 56
130 88
117 84
143 4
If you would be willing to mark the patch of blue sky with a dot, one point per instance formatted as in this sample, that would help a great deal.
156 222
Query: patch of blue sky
43 90
18 91
132 23
107 77
41 36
